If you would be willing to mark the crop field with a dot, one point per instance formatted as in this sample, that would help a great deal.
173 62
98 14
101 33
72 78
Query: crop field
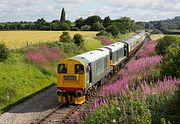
156 37
175 30
18 39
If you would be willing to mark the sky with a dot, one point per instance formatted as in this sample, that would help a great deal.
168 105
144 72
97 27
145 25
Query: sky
138 10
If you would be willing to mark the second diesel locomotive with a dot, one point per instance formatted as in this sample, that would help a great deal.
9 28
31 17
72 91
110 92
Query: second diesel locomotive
79 76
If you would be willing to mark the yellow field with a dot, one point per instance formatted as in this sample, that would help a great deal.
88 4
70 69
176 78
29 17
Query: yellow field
18 39
156 37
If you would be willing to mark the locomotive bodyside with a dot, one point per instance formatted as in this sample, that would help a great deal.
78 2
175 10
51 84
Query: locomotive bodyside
118 54
79 76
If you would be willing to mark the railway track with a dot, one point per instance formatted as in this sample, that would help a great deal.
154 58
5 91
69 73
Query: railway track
63 112
58 115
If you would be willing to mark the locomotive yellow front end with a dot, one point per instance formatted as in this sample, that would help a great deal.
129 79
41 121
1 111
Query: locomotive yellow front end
71 81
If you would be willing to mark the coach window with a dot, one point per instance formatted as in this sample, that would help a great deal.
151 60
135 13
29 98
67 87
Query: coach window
79 69
62 68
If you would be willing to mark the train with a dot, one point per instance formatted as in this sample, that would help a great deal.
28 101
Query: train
79 77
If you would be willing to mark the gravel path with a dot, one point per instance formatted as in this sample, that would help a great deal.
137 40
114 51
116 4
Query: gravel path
32 109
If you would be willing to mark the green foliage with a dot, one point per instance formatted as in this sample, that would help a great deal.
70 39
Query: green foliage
65 26
65 37
97 26
75 29
102 33
91 44
79 22
41 24
171 62
78 39
124 24
4 52
177 102
113 30
55 25
164 43
156 31
121 110
85 28
69 49
19 79
164 25
92 19
63 14
106 21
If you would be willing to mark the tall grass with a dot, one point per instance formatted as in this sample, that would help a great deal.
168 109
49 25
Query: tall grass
19 79
43 54
91 44
137 97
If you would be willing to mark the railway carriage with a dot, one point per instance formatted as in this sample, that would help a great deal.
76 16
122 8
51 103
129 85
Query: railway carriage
134 43
79 76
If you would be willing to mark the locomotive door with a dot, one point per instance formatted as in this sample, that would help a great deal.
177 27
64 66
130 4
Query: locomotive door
88 75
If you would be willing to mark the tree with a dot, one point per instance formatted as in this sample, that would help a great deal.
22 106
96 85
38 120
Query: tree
97 26
164 43
124 24
63 14
85 28
106 21
92 19
79 22
75 29
55 25
78 39
65 37
102 33
113 30
41 24
65 26
4 52
171 62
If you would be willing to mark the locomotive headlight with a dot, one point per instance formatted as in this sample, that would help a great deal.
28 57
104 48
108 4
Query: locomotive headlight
79 93
59 92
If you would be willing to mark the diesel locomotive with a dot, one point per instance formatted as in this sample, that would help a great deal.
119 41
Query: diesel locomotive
78 77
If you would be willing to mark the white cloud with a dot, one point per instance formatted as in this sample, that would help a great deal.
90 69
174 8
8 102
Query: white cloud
31 10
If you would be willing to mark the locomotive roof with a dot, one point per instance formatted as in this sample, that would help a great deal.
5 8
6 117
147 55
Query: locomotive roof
133 39
115 46
93 55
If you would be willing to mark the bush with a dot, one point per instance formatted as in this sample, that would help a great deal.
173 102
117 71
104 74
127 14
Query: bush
156 31
69 49
97 26
85 28
164 43
65 37
171 62
102 33
113 30
4 52
65 26
78 39
75 29
177 102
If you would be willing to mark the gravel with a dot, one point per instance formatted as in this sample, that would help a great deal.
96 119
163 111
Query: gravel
31 110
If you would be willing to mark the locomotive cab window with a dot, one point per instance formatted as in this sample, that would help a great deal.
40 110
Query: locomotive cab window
79 69
62 68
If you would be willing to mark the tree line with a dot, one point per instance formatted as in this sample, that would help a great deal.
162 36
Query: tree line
164 26
91 23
